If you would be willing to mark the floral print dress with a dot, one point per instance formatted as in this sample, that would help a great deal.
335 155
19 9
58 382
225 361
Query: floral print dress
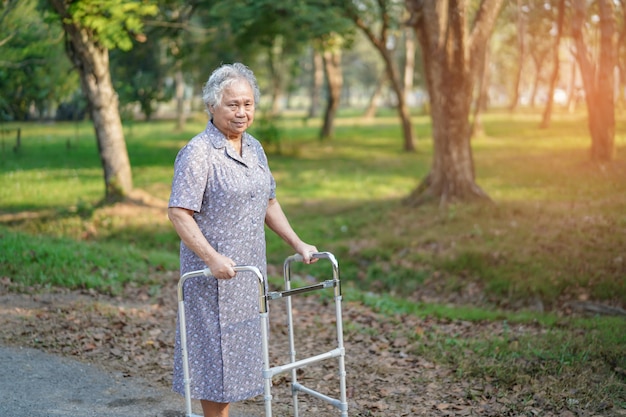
228 194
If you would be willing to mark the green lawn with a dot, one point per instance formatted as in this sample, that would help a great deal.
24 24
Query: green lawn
558 228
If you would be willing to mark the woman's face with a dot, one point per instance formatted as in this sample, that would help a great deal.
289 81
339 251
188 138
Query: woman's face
236 111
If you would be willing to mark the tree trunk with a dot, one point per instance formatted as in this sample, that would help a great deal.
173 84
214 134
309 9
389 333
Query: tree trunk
621 60
334 80
276 71
482 97
598 78
380 43
409 62
181 119
572 92
92 62
547 112
451 62
373 103
318 81
403 109
533 92
521 47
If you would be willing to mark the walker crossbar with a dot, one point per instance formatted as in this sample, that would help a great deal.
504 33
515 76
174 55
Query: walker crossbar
276 370
273 295
336 403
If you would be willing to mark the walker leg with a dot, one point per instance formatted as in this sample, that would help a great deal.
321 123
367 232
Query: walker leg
266 365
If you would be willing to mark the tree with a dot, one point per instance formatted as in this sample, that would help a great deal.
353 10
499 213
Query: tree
481 100
331 57
621 56
91 29
521 22
384 14
598 75
317 80
32 76
176 32
452 54
556 47
140 76
541 18
282 29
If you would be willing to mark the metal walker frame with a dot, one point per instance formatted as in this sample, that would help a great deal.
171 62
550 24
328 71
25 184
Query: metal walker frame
293 365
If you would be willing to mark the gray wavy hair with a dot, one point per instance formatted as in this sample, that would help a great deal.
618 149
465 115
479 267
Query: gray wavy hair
224 76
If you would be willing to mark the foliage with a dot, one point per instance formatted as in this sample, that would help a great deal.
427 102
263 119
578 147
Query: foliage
260 22
33 69
140 76
113 23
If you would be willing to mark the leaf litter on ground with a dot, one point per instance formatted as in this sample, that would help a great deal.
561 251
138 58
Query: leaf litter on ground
134 334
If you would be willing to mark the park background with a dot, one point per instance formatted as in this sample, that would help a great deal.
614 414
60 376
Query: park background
482 244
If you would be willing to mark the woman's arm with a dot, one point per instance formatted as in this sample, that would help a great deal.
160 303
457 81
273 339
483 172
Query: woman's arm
192 237
277 221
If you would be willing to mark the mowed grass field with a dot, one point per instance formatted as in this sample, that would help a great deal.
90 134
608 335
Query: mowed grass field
548 254
557 230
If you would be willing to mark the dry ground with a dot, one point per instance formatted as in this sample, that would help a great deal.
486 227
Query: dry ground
134 334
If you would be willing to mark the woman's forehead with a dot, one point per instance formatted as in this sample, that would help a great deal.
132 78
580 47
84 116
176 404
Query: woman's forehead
238 89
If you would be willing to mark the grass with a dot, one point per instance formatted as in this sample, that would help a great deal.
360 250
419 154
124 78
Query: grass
556 234
558 228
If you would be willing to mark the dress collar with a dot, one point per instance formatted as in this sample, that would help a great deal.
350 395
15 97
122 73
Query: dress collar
219 141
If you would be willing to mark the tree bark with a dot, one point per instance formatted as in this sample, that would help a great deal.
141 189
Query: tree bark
547 112
277 73
451 62
409 62
181 119
318 81
572 92
334 79
482 96
373 102
92 62
621 60
598 77
536 80
521 47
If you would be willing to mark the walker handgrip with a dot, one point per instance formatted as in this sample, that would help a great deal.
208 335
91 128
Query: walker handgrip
296 258
238 268
207 273
254 269
316 255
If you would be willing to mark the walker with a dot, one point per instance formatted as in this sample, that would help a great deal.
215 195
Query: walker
293 365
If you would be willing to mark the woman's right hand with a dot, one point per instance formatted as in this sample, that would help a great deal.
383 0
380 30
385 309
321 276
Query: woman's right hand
221 266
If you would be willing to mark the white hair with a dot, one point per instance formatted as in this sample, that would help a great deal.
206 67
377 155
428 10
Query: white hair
224 76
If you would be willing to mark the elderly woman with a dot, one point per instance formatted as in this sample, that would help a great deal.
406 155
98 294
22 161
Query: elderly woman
223 194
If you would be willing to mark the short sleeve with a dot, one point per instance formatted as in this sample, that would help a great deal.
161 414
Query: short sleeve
191 173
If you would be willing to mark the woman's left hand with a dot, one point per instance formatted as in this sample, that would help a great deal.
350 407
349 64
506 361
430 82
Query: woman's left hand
306 250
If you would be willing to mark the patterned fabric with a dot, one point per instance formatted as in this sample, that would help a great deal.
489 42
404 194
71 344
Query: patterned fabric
229 194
